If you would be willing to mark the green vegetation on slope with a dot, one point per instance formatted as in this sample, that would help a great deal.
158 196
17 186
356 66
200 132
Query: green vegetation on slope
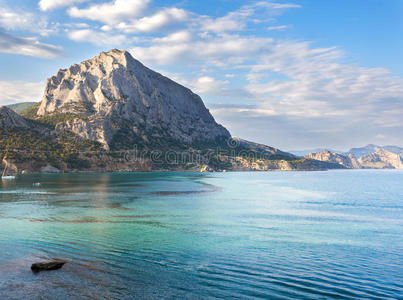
19 107
20 146
49 120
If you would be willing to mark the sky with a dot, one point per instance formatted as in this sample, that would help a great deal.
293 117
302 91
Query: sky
295 75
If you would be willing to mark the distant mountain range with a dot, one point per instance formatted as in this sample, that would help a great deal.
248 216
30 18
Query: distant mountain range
371 148
307 151
111 113
368 157
357 152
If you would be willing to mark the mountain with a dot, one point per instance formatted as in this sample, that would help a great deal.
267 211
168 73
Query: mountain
19 107
260 148
371 148
10 119
381 159
308 151
111 113
394 149
362 151
114 95
347 161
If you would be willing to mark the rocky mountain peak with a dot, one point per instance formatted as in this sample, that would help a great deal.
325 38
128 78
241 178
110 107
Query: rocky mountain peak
87 83
349 162
382 158
114 93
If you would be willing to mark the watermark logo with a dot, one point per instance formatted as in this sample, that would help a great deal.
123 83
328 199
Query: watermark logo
233 143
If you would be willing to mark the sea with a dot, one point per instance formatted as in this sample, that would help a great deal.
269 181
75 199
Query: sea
235 235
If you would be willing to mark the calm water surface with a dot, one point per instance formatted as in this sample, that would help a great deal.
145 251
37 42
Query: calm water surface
246 235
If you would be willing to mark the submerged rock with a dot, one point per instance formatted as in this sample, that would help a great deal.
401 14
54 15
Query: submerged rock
47 266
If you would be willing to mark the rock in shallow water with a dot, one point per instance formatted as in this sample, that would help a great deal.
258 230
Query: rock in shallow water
47 266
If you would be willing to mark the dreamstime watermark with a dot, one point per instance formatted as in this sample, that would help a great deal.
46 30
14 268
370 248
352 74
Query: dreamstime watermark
224 153
233 148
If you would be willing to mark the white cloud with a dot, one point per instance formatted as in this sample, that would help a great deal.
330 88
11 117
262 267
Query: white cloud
106 28
95 37
163 18
45 5
208 85
234 21
20 91
111 12
230 75
275 6
222 50
177 37
29 46
252 111
380 137
76 25
15 20
316 84
217 42
125 15
309 95
237 20
278 28
22 20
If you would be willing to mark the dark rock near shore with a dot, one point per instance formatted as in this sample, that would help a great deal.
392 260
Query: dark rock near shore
47 266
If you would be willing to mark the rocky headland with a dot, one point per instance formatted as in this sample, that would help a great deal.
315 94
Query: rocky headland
369 157
112 113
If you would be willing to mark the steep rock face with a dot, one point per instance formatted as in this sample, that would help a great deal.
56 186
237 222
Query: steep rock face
394 149
118 92
382 159
348 161
99 130
9 119
369 149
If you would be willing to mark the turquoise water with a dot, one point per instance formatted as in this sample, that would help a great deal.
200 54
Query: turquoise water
335 234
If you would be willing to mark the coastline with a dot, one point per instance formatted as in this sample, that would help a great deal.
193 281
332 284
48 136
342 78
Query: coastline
210 172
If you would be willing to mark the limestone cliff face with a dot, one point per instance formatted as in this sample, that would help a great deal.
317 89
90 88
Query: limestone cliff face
382 159
113 91
9 119
100 130
348 161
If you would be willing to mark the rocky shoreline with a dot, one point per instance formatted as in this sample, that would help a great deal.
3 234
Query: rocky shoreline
378 159
241 166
